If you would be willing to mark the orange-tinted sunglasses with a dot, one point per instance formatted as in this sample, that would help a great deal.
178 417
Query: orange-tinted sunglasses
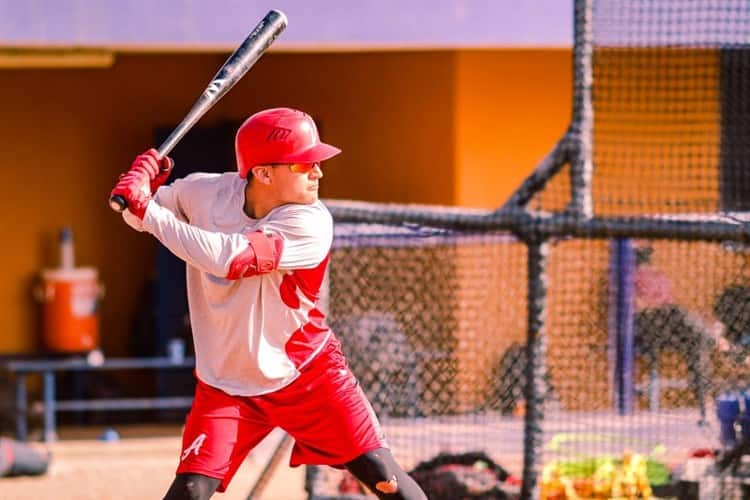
299 168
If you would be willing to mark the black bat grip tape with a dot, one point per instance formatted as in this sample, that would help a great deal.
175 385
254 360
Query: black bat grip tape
118 203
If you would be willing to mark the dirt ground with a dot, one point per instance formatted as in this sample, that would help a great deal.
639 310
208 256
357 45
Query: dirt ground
140 465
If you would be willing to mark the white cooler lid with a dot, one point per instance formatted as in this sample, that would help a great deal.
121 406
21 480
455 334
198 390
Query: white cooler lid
75 274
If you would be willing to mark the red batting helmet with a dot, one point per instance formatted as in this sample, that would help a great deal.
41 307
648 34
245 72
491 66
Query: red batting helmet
279 135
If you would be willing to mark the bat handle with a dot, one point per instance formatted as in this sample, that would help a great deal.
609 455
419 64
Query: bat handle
118 203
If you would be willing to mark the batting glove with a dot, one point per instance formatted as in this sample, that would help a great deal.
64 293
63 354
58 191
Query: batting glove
134 186
157 170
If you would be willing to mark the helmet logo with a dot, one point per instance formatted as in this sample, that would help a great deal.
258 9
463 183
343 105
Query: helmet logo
278 134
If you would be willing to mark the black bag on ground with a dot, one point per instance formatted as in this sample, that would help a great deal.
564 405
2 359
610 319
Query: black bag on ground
472 475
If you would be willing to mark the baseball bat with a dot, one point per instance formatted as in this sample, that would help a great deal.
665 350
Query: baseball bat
234 68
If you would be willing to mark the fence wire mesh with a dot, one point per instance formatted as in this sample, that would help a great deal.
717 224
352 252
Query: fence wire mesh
643 344
433 325
643 340
671 108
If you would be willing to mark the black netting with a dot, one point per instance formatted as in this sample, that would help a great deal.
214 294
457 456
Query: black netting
671 108
641 344
424 332
428 319
593 336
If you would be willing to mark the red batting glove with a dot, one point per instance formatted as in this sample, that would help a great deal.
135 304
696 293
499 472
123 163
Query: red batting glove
134 186
166 169
157 170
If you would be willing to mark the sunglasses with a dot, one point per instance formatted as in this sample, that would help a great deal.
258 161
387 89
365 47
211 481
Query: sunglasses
299 168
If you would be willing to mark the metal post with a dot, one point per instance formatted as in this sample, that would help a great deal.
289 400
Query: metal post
582 125
535 182
536 352
268 470
21 407
49 407
622 274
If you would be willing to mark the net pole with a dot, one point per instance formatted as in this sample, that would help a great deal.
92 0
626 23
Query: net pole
581 162
547 168
536 352
273 462
622 310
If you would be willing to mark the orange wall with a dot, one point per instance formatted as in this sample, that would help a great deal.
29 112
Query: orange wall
512 106
391 113
405 120
657 131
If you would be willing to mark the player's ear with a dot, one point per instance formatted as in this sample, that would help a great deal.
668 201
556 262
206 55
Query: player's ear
262 173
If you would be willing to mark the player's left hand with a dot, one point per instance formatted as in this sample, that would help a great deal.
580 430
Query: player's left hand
158 170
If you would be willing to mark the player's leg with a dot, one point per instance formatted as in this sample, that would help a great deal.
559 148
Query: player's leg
328 414
378 470
192 487
688 338
219 433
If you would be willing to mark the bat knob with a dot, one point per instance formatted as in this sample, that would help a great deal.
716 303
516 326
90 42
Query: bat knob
118 203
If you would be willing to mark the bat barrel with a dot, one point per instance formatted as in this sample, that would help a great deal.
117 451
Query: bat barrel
235 67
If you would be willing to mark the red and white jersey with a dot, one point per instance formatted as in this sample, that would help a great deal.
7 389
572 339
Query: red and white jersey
252 335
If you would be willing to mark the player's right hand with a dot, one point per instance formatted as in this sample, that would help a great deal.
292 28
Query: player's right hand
156 169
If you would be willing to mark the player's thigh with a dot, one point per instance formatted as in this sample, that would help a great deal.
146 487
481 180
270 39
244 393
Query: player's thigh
327 413
219 432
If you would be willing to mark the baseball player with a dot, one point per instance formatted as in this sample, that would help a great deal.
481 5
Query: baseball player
257 243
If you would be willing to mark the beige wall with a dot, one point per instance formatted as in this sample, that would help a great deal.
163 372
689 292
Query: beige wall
425 127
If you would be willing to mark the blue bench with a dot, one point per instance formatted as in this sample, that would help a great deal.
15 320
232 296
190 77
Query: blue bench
19 370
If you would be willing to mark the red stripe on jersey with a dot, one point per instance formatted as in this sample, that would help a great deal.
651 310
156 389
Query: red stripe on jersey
306 340
309 337
308 281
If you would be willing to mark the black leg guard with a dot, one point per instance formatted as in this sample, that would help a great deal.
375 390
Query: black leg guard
192 487
379 471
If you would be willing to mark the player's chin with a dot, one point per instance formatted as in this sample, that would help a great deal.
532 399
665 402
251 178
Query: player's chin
311 196
305 200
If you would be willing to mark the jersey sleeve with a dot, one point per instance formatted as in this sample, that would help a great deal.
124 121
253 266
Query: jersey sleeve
209 251
133 221
307 233
170 197
167 196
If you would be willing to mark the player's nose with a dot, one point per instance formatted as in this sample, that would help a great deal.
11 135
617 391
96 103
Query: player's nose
316 172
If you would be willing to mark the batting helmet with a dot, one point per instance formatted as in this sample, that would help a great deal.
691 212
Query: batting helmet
279 135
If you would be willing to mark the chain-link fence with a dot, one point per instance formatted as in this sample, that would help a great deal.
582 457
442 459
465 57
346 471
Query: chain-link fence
592 336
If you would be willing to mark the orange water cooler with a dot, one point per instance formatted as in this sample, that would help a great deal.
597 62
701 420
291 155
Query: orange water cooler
70 299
